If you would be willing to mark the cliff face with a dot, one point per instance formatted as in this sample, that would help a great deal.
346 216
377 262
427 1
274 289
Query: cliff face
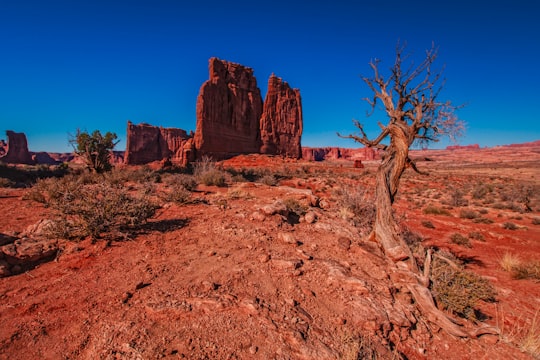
229 107
147 143
16 149
281 120
230 121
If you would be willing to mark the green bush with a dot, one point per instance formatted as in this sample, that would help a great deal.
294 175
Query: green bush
459 291
95 149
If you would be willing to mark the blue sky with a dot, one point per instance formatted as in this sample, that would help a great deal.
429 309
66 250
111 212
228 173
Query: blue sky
96 64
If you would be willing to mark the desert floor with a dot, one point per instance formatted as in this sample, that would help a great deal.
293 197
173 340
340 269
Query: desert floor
230 274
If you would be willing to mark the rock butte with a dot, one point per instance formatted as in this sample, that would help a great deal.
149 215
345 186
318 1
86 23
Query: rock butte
147 143
16 149
231 120
281 121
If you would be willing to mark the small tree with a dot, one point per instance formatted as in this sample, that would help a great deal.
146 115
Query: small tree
410 98
95 149
415 114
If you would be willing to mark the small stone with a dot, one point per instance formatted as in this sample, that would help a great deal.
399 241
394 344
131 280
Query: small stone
253 350
287 238
257 215
264 258
4 269
304 255
126 296
344 243
310 217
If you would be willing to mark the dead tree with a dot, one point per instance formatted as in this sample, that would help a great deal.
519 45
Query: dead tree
410 98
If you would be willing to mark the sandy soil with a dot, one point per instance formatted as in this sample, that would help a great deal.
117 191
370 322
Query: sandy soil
222 279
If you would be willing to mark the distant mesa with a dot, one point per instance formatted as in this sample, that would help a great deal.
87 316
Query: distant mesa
463 147
15 151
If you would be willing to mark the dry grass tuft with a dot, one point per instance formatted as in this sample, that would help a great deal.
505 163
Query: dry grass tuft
509 262
520 269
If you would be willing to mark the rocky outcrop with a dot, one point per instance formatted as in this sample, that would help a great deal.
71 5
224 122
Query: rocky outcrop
229 107
29 249
281 120
147 143
336 153
17 149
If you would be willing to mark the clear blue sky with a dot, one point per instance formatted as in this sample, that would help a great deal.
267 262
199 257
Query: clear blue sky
95 64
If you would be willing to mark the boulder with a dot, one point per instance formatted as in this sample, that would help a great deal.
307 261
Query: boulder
17 149
229 107
281 120
147 143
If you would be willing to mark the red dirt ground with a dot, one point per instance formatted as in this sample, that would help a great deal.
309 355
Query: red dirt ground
214 280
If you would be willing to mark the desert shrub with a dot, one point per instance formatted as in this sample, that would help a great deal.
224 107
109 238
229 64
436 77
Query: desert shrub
468 214
530 338
509 226
460 240
459 291
237 194
518 268
413 239
482 220
480 191
536 221
434 210
456 198
360 204
178 188
527 270
483 211
208 173
428 224
359 347
122 175
475 235
188 182
268 179
509 261
295 207
96 210
6 182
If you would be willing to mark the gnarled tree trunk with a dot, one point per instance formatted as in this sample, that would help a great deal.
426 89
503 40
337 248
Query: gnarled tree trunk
388 176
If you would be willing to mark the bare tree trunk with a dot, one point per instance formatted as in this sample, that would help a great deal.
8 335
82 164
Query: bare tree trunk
388 176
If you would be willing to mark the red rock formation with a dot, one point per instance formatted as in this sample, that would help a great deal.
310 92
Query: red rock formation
17 149
335 153
281 121
229 107
147 143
